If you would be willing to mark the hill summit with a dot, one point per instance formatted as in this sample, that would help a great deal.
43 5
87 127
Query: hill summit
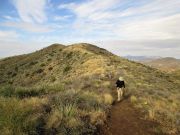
69 89
56 62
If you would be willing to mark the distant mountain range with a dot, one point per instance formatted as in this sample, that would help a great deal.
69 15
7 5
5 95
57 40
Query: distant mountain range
168 64
141 58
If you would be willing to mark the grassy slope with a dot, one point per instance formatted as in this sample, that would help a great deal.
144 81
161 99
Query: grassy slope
68 90
176 74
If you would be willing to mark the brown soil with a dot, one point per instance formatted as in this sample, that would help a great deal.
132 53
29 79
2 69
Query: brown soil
124 119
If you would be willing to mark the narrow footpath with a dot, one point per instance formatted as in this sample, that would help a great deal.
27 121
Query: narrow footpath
124 119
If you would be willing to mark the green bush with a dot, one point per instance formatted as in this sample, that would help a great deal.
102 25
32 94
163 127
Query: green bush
24 92
49 59
42 65
69 55
14 74
39 71
7 91
33 63
52 78
17 116
50 68
67 68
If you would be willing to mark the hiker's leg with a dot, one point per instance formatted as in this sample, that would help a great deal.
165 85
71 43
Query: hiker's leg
121 92
118 93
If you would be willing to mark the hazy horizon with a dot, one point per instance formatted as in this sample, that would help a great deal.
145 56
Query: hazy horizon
124 27
105 45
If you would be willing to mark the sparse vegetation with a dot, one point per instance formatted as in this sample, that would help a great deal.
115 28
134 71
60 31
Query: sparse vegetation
52 78
70 91
33 63
67 68
50 68
49 59
39 71
133 99
42 65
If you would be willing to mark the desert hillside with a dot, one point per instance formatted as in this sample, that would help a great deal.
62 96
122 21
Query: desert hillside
69 90
167 64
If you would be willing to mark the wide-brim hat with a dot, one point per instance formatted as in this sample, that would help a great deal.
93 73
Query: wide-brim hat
121 78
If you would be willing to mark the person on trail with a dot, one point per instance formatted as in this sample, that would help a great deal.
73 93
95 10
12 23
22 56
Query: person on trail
120 84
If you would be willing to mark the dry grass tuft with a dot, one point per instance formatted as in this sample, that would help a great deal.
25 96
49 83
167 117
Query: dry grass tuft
108 99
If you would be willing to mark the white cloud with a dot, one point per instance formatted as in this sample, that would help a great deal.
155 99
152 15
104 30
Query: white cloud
8 35
10 48
163 48
91 8
142 24
8 17
30 27
155 7
162 28
61 18
156 19
31 10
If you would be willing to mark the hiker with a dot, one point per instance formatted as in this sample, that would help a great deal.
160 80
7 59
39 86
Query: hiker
120 84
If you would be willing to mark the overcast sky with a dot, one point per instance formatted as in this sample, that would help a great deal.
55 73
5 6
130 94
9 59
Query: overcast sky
125 27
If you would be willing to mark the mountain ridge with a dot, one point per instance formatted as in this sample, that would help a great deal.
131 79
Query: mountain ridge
84 68
141 58
167 64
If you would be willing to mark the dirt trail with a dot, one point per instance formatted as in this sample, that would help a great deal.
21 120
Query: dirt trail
124 119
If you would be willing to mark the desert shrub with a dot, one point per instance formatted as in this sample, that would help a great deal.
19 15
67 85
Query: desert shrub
51 54
52 78
64 118
49 59
7 91
16 69
67 68
20 92
69 55
27 74
33 63
98 117
39 71
14 74
54 119
71 111
90 100
10 81
68 110
9 73
38 90
19 117
43 64
25 92
108 99
53 88
50 68
133 99
10 120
